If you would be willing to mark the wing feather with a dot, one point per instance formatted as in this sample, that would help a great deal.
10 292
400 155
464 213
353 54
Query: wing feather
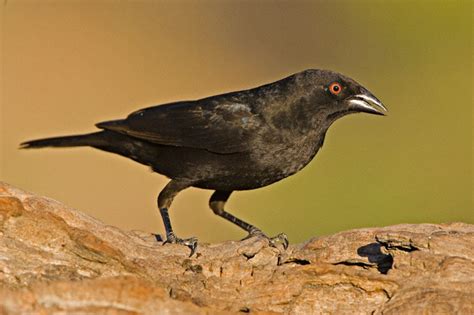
220 127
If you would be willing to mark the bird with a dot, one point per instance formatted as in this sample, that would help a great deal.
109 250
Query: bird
235 141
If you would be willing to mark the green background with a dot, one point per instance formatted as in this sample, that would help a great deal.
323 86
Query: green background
67 65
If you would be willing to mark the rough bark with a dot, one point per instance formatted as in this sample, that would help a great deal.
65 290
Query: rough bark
57 259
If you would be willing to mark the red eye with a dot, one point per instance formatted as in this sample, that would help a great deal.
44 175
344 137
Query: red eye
335 88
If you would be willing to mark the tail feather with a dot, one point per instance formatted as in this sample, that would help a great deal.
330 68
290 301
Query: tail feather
138 150
90 139
115 125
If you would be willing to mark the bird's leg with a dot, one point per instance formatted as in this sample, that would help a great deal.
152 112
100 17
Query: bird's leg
165 198
217 203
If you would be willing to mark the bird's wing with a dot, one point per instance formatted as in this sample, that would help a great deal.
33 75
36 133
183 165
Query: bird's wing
220 127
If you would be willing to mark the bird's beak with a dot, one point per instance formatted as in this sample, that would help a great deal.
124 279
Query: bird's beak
366 103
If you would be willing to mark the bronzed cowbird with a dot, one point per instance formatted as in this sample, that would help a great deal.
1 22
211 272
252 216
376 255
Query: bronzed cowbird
234 141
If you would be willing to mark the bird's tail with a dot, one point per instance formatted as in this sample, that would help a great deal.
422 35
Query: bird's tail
90 139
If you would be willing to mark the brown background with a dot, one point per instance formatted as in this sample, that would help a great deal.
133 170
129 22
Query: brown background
69 64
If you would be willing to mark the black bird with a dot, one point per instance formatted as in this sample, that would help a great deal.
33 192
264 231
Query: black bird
235 141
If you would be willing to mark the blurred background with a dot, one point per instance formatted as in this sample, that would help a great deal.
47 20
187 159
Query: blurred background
69 64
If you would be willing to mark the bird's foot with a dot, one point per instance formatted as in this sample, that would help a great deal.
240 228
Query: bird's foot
273 241
189 242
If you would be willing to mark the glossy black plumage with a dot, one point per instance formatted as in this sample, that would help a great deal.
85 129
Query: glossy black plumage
234 141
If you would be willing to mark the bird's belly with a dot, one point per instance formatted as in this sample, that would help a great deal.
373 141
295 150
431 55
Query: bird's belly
244 172
228 173
240 171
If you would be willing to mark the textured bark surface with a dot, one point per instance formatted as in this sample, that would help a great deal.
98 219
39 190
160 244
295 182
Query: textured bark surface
56 259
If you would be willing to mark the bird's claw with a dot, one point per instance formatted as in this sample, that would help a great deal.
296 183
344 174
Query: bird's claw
281 238
191 243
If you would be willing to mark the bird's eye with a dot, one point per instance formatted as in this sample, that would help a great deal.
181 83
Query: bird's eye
335 88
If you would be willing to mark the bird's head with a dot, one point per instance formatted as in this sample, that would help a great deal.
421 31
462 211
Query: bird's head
338 95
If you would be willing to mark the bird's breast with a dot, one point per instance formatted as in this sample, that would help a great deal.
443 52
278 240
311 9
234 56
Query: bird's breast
288 156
